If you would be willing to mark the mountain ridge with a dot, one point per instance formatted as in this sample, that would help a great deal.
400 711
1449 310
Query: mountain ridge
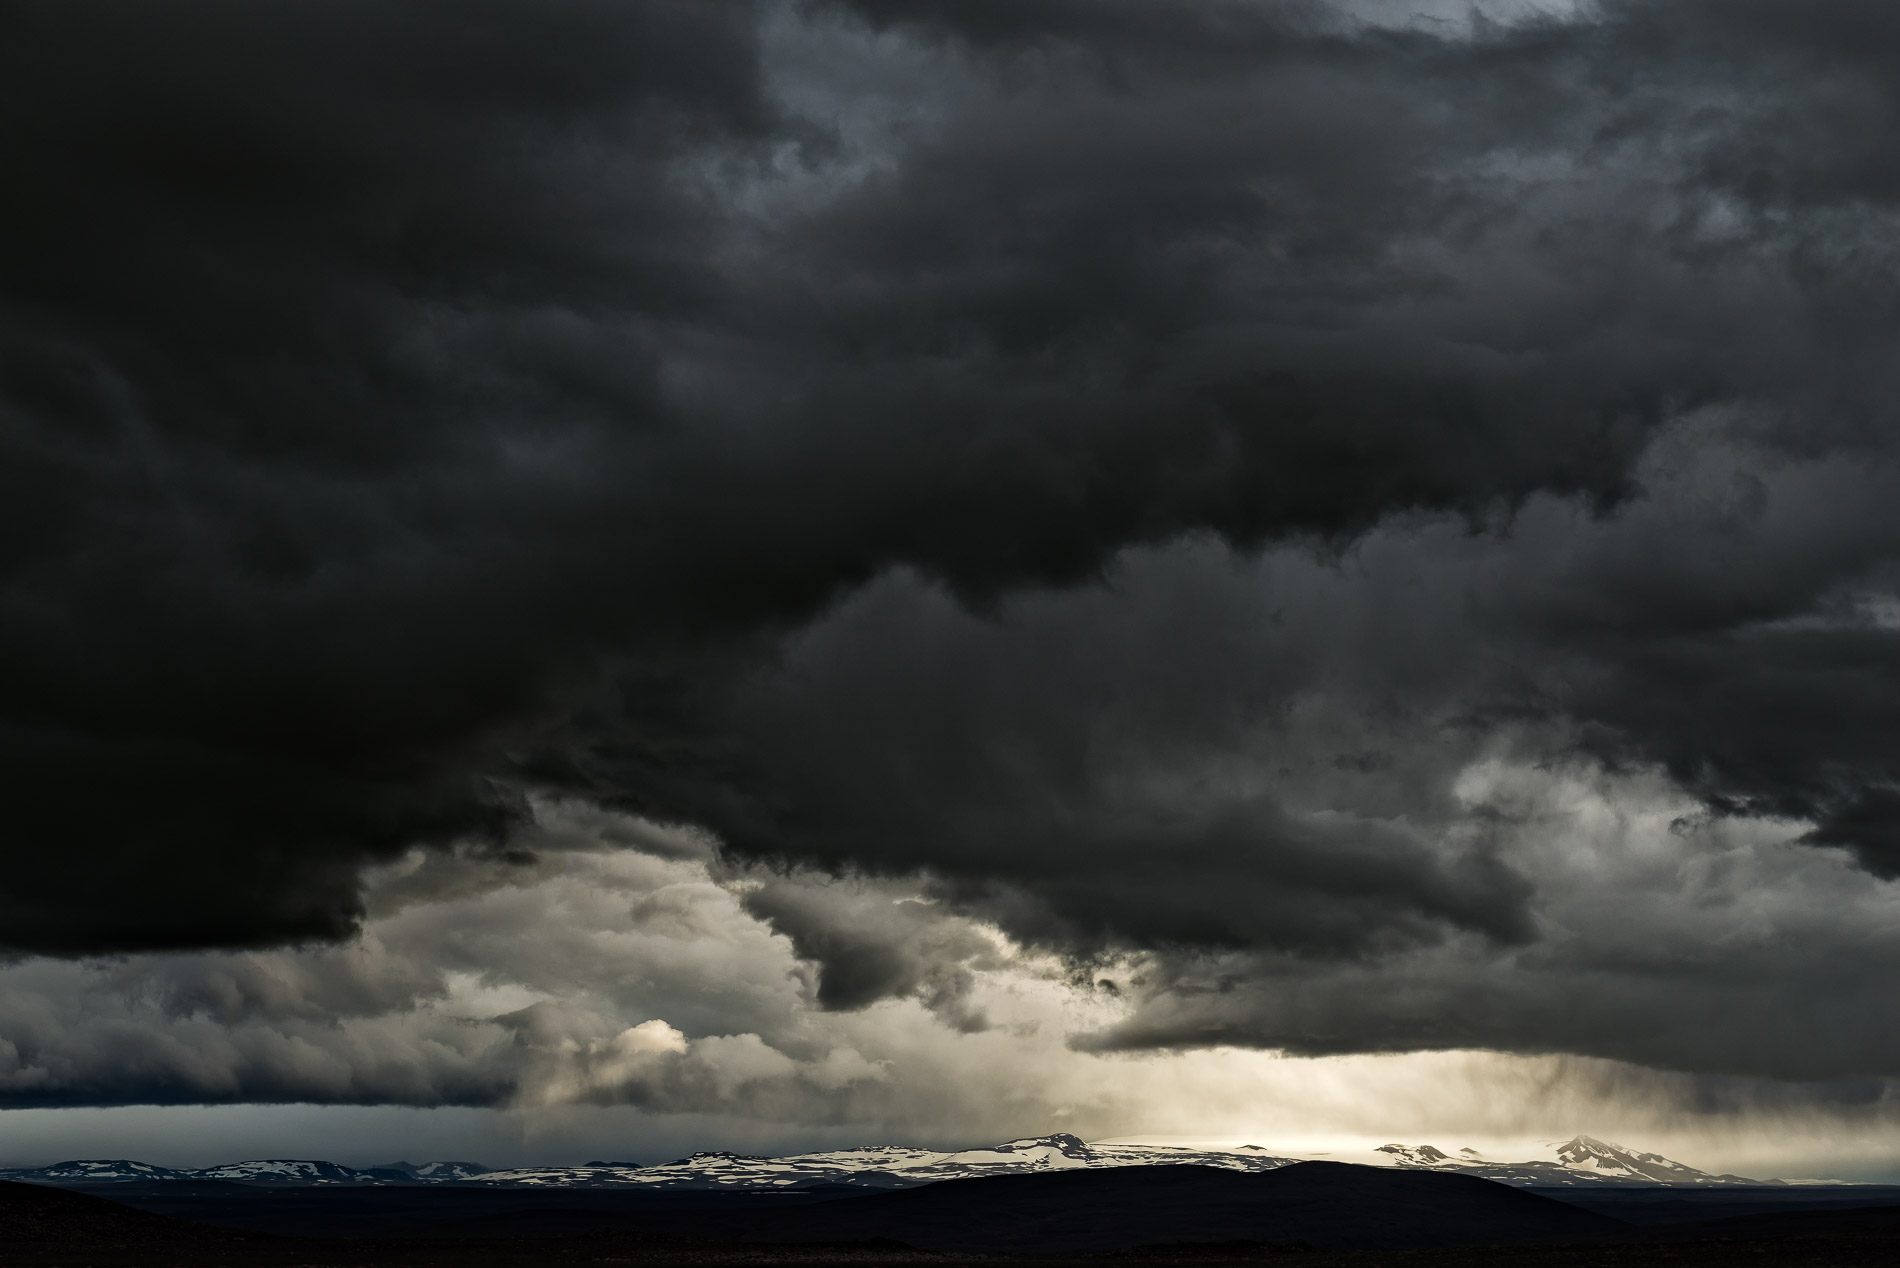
1579 1161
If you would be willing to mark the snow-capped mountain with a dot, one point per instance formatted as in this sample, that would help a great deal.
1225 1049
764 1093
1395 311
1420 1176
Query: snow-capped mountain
1581 1160
1584 1153
97 1171
878 1166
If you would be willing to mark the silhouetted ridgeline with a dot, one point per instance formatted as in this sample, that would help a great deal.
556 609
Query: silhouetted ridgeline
1315 1214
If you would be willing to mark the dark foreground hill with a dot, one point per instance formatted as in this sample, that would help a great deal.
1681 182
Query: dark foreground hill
35 1217
1321 1205
1324 1205
48 1228
1330 1205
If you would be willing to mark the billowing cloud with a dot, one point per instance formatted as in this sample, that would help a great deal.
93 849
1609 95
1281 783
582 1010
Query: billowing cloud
1270 524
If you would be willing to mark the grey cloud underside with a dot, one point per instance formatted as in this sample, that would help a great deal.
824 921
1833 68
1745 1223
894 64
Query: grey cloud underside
542 985
1117 463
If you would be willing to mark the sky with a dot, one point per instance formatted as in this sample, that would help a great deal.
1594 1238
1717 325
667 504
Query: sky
602 578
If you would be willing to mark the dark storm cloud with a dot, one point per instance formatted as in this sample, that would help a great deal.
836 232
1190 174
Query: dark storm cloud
288 292
1087 770
1581 226
1756 659
871 948
411 407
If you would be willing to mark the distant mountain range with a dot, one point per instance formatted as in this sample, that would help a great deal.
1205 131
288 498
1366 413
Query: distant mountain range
1581 1161
882 1166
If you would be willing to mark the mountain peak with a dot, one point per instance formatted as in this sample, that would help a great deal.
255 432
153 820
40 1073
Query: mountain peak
1057 1140
1416 1155
1587 1153
1588 1146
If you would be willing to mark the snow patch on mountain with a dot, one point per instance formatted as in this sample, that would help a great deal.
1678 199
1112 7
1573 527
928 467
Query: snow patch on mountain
285 1170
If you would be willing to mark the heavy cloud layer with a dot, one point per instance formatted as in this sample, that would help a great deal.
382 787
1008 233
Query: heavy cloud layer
618 992
1119 470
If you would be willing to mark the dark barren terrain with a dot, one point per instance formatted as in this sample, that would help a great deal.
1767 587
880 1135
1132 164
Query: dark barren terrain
1314 1214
